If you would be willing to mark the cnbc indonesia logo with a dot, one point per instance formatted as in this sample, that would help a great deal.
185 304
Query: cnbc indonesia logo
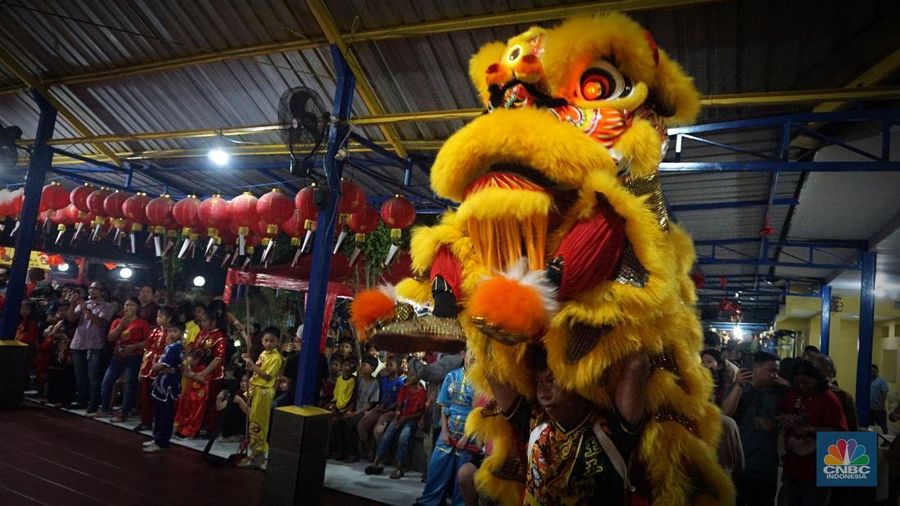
846 460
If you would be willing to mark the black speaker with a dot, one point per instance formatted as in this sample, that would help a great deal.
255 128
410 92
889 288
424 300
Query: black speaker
12 373
298 451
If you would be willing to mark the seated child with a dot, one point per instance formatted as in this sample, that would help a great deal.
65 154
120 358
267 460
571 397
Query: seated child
234 411
366 397
326 392
376 420
344 388
266 370
410 407
166 388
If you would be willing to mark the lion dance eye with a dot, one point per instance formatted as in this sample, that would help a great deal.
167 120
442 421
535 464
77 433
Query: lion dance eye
603 81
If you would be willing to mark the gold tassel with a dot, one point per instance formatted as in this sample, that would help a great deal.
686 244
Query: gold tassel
502 241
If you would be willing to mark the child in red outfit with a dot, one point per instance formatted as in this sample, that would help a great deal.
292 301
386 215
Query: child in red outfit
156 344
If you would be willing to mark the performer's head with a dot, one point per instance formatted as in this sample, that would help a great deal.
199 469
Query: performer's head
271 338
174 331
565 407
765 369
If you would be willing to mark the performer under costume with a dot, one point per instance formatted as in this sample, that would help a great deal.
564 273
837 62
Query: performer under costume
196 406
262 393
165 389
156 344
562 240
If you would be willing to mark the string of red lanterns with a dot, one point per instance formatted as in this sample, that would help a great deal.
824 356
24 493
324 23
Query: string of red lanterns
245 221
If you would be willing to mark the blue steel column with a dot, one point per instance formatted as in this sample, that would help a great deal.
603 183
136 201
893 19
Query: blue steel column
825 336
866 331
41 158
324 239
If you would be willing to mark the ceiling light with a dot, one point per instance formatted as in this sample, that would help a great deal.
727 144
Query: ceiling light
63 267
126 273
199 281
218 156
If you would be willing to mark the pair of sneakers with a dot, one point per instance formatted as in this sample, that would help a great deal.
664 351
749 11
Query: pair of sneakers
152 447
251 462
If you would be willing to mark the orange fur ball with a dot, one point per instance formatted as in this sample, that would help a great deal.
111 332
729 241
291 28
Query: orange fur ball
368 307
516 308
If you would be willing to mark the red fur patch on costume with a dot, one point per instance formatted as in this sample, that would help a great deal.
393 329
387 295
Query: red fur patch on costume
368 307
516 308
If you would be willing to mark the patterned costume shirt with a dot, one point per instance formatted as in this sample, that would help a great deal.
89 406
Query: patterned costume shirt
569 467
209 345
154 348
167 385
455 398
271 362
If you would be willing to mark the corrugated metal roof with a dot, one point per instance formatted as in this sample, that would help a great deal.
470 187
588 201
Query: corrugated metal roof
728 47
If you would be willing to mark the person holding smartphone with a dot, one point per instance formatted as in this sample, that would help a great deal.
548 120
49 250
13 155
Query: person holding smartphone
753 403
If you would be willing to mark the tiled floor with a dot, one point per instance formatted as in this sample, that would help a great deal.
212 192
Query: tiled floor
346 478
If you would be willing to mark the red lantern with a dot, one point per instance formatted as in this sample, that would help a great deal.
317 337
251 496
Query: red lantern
187 214
112 208
15 206
62 218
305 201
78 196
215 215
352 199
134 209
159 217
96 201
54 196
243 214
293 227
113 204
397 213
362 222
6 203
274 208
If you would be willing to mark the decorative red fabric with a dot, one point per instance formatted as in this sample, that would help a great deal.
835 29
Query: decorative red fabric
447 266
591 250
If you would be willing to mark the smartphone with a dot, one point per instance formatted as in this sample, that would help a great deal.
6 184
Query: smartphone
747 362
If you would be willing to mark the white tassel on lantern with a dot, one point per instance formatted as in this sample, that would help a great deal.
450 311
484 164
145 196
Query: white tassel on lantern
340 240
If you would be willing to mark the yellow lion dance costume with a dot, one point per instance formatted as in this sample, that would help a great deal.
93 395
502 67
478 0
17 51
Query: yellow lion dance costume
562 170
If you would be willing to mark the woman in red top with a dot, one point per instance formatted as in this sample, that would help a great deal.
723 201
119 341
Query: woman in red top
129 335
204 369
809 407
156 345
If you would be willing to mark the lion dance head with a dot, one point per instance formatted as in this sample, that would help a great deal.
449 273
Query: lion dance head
561 171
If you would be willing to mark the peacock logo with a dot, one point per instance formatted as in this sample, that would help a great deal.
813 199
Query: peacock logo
846 459
846 452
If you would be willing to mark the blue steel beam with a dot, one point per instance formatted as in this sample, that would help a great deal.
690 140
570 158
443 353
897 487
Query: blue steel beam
866 332
825 331
741 166
890 116
709 206
773 263
820 243
41 160
324 239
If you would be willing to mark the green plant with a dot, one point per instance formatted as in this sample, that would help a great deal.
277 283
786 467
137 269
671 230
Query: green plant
374 250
